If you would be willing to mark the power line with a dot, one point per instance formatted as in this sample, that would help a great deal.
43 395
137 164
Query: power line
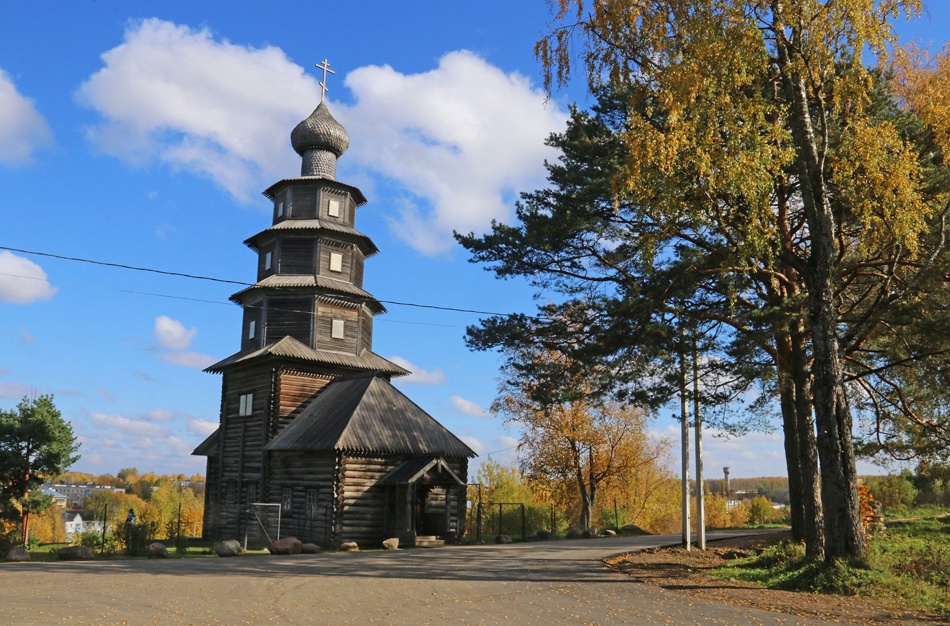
226 281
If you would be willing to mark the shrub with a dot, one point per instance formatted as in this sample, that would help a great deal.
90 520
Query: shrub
894 492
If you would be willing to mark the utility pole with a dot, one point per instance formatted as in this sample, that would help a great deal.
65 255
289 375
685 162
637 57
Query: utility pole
684 432
698 425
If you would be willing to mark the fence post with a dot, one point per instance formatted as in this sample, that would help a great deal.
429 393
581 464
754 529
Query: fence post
524 536
105 523
552 518
499 529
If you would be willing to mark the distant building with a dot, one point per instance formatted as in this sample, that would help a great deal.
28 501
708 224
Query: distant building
58 498
76 525
75 494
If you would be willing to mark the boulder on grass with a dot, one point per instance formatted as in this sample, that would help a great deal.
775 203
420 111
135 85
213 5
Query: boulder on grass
310 548
591 532
349 546
287 545
229 547
77 553
156 551
573 534
17 553
391 543
532 538
502 539
633 529
544 535
610 533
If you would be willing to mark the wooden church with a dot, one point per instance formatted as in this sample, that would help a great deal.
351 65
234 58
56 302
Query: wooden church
312 433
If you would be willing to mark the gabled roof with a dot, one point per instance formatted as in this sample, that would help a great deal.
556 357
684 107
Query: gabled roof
366 414
289 347
287 282
414 469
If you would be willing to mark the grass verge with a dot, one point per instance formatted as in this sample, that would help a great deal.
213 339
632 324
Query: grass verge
908 565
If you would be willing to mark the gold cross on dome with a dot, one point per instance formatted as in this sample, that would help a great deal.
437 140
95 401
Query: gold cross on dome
325 66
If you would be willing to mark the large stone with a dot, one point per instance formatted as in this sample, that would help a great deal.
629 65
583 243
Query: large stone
590 532
17 553
349 546
633 529
391 543
310 548
573 534
77 553
544 535
287 545
610 533
156 551
229 547
502 539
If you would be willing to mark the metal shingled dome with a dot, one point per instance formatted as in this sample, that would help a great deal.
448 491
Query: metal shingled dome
320 132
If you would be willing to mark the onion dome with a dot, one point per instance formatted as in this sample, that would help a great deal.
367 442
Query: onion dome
320 140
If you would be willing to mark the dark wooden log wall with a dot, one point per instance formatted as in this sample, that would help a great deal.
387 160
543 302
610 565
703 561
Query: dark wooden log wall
297 255
362 502
289 316
326 313
366 328
300 472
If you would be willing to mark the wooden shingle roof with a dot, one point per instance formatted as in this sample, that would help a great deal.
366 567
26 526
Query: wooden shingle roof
289 347
286 283
367 415
314 226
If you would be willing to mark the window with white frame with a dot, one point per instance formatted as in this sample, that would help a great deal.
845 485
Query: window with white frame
333 208
336 262
246 404
286 500
251 329
280 209
268 260
311 502
232 493
336 329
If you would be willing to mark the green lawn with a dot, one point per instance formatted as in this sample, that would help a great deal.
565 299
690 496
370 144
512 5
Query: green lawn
908 565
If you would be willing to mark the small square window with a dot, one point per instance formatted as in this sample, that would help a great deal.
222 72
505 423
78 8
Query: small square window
333 208
336 329
251 329
286 500
280 209
246 405
268 260
336 262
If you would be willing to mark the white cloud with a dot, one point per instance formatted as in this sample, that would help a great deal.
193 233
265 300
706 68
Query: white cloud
159 415
418 375
23 130
202 427
127 426
22 280
468 407
474 444
172 334
27 337
15 390
201 104
462 140
104 394
188 359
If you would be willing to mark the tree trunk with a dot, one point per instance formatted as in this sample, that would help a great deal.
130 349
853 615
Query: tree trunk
843 536
787 401
810 486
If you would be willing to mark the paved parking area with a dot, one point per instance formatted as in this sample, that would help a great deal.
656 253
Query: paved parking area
560 582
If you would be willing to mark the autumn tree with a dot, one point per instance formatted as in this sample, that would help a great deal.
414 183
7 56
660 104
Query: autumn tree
36 444
569 435
768 107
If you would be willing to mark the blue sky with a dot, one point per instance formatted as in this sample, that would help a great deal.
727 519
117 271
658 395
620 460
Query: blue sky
142 134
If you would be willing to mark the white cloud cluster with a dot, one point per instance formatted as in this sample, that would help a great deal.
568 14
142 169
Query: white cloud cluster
459 141
128 426
222 110
23 130
418 375
172 334
15 390
22 280
175 338
467 407
462 140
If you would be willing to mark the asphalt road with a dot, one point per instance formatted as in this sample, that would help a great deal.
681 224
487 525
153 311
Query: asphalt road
560 582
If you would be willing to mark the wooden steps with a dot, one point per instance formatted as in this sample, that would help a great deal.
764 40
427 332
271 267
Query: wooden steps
428 541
